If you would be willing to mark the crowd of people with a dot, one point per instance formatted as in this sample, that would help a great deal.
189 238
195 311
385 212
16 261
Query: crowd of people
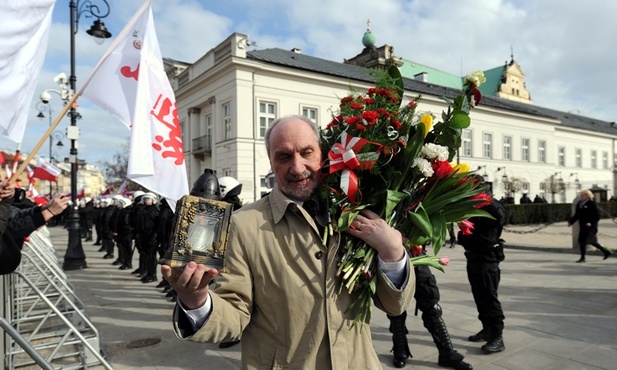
279 293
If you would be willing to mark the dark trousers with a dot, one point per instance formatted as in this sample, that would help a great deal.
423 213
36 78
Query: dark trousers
484 279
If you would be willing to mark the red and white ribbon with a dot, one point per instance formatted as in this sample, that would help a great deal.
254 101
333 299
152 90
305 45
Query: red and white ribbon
342 157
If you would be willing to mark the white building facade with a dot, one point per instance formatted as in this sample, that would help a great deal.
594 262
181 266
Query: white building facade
227 99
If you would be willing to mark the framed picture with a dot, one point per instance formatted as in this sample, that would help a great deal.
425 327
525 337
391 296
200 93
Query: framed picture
201 228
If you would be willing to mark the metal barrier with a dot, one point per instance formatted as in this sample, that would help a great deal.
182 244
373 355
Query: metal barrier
41 306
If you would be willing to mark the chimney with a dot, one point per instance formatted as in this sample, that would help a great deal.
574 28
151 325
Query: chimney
421 77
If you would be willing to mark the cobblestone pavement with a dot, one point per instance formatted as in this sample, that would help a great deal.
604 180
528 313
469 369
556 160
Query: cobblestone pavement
559 314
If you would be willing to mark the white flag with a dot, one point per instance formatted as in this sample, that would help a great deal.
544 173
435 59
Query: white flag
130 83
23 42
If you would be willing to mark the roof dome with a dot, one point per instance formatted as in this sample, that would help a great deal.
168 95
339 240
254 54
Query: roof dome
368 40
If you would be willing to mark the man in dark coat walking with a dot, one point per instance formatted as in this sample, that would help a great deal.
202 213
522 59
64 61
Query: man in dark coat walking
587 214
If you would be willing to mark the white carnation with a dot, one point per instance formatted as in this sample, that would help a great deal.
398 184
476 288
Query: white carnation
424 166
433 151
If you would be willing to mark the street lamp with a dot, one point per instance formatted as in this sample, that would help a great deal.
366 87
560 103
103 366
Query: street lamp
56 135
74 257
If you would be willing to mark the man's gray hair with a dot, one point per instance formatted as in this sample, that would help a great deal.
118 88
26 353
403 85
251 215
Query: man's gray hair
311 123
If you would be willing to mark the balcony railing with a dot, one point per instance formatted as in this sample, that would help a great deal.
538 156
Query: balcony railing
201 145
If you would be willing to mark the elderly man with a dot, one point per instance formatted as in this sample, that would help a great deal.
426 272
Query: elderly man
281 294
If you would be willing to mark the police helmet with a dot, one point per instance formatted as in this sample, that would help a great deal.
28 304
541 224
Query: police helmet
229 187
207 185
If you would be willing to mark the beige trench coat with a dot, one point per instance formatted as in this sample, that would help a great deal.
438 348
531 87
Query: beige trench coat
280 295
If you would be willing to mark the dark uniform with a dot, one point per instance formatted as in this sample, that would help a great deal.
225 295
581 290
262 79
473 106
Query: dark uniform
427 300
149 245
107 235
125 237
97 220
164 225
136 214
588 215
484 252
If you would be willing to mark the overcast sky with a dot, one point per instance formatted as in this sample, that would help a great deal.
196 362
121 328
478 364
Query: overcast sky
567 49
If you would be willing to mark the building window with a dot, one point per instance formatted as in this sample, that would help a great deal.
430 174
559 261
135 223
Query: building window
467 152
507 148
310 113
208 119
227 121
525 150
185 139
562 156
542 151
605 160
594 159
487 145
579 158
267 115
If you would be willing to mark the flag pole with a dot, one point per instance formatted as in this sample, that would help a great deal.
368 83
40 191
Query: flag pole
43 139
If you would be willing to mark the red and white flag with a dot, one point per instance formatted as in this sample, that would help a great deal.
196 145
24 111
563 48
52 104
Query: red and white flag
46 171
124 188
23 38
107 191
8 171
30 173
130 83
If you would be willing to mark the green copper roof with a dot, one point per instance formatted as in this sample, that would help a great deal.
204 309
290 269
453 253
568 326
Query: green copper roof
493 80
410 69
368 40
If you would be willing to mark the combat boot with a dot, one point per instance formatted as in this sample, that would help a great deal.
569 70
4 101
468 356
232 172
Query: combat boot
400 347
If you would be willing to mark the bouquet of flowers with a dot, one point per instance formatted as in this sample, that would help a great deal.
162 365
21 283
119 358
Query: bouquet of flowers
385 156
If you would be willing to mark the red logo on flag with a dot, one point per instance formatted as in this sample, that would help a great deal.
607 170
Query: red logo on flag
174 141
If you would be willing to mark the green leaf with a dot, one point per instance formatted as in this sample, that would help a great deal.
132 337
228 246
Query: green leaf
395 73
420 219
393 198
439 231
348 216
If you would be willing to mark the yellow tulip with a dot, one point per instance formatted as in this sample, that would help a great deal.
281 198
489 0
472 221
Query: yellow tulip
461 168
427 119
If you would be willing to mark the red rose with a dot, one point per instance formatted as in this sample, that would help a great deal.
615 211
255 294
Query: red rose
395 123
476 96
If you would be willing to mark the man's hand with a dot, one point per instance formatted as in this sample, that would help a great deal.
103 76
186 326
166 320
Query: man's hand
387 241
190 283
6 190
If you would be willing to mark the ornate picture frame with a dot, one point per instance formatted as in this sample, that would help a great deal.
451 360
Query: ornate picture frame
201 228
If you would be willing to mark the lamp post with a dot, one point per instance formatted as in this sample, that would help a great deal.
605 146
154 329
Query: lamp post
74 258
56 135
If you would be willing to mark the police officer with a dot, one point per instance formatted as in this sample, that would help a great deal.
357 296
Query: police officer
164 226
125 235
484 252
427 300
135 215
148 236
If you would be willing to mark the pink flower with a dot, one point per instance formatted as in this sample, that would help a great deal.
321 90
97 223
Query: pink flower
444 260
466 227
